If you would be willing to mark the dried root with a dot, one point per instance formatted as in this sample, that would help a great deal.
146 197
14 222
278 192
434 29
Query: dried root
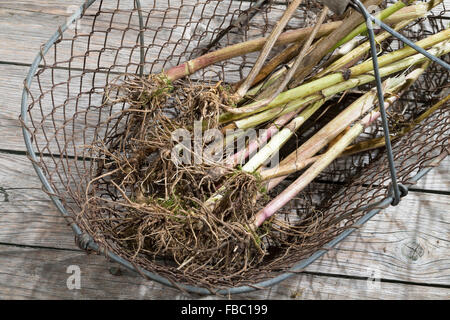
153 206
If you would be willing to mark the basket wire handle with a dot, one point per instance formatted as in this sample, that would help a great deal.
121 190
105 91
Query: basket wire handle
141 37
398 189
369 18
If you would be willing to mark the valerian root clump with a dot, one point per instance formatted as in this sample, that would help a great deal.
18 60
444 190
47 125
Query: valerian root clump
152 205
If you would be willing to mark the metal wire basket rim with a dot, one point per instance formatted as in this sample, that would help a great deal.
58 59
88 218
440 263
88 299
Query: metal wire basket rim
91 245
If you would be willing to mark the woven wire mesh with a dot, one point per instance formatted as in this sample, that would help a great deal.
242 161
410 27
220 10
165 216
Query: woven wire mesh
66 98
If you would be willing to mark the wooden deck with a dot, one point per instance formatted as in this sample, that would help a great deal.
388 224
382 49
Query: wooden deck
406 248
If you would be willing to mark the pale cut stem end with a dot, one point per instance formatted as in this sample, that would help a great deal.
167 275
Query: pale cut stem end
242 90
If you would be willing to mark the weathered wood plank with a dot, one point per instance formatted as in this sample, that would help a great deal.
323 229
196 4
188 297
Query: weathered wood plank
30 218
23 45
16 171
410 242
53 7
39 21
11 83
44 274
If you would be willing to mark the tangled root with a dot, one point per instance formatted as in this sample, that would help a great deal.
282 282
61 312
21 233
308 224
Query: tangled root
150 205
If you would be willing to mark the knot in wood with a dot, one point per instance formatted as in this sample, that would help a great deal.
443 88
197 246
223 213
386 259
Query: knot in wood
412 250
4 197
115 271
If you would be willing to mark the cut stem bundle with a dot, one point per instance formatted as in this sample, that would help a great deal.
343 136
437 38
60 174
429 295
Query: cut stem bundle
205 209
336 149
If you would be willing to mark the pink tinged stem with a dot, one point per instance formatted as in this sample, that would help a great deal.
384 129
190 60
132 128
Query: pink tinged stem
253 146
410 79
287 169
318 166
324 136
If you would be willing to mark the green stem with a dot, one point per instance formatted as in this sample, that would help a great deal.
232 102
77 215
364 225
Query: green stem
324 47
281 85
335 80
277 141
359 51
278 29
363 27
243 48
320 164
398 18
300 157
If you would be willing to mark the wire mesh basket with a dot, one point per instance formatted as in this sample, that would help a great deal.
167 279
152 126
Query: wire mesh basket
63 107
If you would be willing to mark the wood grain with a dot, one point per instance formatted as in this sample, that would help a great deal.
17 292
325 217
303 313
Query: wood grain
184 27
408 243
30 218
25 26
44 273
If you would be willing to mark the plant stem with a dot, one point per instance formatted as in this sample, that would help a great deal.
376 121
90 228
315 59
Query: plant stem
242 90
287 169
362 146
243 48
295 105
359 51
328 43
239 157
273 129
318 141
379 142
309 149
402 53
413 12
310 174
281 138
268 150
333 128
284 56
399 17
281 85
239 49
334 151
269 81
355 148
335 81
400 65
